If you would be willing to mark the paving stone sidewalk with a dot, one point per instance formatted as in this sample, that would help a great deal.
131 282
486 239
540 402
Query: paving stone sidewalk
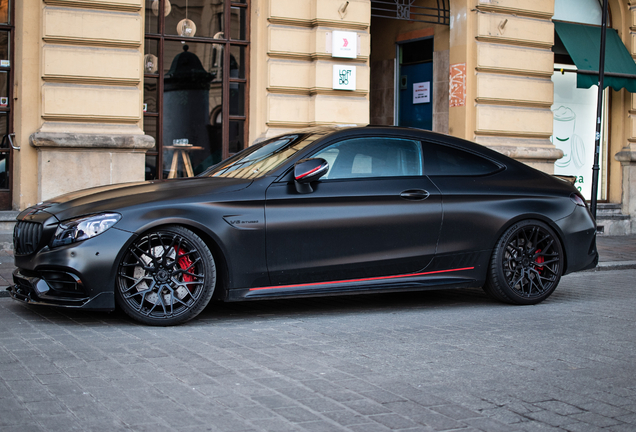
429 361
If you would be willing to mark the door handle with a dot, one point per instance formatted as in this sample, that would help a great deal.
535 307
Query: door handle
10 137
415 194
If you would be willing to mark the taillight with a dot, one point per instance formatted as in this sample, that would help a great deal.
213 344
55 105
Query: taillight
578 200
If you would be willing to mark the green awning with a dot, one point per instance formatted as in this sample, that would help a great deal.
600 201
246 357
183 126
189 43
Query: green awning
583 42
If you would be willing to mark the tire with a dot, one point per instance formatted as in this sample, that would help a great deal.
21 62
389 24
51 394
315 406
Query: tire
526 265
170 260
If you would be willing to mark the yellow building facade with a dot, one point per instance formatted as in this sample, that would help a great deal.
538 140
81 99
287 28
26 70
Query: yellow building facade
100 92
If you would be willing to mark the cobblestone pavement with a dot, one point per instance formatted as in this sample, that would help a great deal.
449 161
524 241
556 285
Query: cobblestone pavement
429 361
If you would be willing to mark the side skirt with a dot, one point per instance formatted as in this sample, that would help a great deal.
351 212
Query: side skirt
442 279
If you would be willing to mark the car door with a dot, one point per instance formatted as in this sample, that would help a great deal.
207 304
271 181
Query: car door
373 214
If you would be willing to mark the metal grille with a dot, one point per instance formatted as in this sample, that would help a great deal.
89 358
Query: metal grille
406 10
26 237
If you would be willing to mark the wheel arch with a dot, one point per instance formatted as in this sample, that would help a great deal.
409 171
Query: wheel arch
208 236
534 216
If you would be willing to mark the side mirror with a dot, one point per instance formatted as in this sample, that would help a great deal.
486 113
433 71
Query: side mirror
307 171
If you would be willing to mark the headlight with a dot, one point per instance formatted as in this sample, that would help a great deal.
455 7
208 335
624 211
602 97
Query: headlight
75 230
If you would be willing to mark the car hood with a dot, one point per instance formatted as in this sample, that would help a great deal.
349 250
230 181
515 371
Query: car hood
127 195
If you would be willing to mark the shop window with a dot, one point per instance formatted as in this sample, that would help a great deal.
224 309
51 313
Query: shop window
195 84
6 101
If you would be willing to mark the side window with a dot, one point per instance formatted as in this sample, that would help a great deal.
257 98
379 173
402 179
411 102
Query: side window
442 160
372 157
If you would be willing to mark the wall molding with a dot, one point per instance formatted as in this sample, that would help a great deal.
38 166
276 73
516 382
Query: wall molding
300 125
513 102
514 42
101 5
92 141
302 91
68 79
512 134
318 23
90 118
515 72
315 56
109 43
483 8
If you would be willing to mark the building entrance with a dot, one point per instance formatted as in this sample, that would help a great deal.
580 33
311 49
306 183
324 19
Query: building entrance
415 84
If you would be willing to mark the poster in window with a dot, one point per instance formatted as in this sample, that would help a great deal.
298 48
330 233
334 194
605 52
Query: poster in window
574 129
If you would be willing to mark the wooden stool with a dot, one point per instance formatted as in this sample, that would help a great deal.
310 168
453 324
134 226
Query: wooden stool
183 152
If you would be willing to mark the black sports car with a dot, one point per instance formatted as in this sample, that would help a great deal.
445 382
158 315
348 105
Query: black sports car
315 212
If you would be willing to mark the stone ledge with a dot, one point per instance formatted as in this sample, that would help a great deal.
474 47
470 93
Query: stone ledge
79 140
626 156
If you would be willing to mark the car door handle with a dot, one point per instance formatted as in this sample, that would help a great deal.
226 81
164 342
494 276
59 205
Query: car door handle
415 194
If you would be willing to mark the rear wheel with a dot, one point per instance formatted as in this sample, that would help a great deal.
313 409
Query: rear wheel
166 277
526 265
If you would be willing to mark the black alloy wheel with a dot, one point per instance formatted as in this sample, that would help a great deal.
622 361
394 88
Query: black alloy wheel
166 277
526 265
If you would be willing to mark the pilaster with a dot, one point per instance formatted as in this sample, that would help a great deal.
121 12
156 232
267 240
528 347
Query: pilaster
88 75
299 66
506 47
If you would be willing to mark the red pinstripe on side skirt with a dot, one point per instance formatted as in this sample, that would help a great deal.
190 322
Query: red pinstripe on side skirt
361 280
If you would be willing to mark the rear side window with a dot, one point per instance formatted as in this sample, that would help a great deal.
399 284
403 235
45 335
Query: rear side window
372 157
443 160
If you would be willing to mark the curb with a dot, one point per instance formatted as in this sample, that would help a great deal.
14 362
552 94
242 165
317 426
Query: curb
614 265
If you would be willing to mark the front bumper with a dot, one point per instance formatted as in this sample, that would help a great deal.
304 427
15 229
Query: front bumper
53 288
79 275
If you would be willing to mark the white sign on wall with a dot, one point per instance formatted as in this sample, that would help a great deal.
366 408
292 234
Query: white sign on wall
344 44
422 92
344 77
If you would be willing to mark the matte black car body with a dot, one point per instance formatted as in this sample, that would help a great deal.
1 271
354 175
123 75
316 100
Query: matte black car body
270 239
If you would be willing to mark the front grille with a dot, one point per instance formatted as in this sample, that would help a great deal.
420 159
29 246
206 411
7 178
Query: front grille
26 237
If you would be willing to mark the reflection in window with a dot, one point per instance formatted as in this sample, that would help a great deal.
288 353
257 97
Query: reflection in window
4 166
4 11
444 160
188 95
206 16
261 159
372 157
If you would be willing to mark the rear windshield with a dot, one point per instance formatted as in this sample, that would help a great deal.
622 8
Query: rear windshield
261 159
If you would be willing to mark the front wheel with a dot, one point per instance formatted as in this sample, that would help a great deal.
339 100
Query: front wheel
526 265
166 277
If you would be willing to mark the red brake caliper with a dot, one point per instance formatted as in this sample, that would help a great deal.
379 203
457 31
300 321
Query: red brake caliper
184 263
540 260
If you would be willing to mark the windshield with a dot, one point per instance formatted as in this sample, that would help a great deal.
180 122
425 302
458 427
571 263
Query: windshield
261 159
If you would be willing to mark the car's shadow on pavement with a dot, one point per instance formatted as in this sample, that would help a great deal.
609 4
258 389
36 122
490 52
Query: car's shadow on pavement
279 308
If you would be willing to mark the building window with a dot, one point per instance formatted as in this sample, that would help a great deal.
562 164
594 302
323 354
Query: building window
6 100
195 83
